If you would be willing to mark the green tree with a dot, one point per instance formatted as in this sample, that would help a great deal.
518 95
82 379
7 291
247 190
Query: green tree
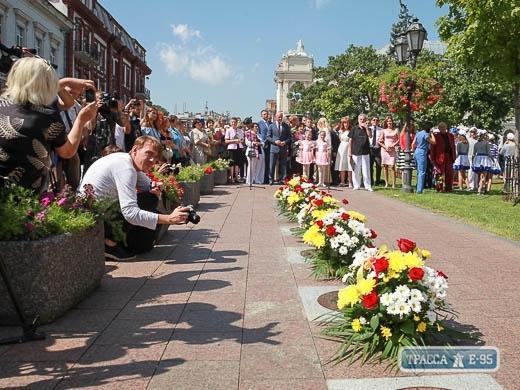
484 34
349 84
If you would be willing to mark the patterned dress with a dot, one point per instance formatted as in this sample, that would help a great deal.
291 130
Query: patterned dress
28 133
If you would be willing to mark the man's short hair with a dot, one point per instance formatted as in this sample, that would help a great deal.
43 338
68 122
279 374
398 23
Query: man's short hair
146 139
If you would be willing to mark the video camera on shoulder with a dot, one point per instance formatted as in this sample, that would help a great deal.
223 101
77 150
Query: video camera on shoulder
6 61
109 103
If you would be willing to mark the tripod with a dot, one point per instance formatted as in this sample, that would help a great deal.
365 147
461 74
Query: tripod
29 332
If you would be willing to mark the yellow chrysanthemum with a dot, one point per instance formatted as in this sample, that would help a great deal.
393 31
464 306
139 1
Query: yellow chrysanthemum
314 237
348 296
391 274
294 181
357 216
426 254
293 198
416 318
319 214
396 262
356 325
421 327
411 260
386 332
365 286
329 199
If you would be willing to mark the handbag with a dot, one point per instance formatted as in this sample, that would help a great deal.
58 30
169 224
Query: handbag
251 153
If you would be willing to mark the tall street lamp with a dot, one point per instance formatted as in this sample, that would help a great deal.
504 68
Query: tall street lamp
407 45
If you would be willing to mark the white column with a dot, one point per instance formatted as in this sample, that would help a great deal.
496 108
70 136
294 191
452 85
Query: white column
278 95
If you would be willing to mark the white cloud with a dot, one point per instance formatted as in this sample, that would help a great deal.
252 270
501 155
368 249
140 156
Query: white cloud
320 3
184 32
174 57
209 70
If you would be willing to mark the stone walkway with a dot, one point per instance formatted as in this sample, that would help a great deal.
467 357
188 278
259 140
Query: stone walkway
228 304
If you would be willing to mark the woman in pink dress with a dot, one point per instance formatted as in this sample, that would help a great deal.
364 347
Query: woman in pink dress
322 157
306 153
388 141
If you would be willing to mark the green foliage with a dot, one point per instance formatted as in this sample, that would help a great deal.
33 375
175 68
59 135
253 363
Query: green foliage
190 173
220 163
109 211
348 85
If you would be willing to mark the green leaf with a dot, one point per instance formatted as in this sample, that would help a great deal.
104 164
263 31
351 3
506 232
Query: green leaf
408 327
374 322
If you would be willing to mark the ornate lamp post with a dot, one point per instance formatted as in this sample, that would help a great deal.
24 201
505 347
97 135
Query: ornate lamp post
407 44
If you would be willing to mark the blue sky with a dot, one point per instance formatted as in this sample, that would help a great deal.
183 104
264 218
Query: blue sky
225 52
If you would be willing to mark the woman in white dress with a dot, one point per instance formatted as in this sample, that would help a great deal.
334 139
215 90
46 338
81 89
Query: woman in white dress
201 144
343 157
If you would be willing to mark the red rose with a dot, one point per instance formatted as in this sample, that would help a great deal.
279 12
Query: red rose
405 245
298 188
440 273
380 264
416 274
331 231
280 188
373 234
345 216
370 301
319 223
345 201
318 202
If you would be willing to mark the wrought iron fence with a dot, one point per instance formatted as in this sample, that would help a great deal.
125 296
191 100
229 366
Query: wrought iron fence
512 179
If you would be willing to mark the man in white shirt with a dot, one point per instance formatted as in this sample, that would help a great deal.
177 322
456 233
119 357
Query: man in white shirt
117 176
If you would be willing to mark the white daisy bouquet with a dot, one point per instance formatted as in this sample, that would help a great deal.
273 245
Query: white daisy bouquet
318 204
391 300
338 235
292 195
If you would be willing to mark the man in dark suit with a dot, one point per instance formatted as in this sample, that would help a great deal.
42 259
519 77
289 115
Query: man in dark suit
263 126
279 136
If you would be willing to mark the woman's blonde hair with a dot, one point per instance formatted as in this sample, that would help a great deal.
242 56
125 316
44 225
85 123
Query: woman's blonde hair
322 123
31 80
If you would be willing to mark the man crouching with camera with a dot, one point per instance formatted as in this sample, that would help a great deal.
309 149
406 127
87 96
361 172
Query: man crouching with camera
118 177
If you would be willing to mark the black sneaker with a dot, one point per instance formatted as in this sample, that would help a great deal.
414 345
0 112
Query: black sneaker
118 253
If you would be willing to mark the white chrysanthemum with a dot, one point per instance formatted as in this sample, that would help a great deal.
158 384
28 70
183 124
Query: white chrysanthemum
386 299
343 251
362 320
392 309
416 295
403 309
415 306
403 291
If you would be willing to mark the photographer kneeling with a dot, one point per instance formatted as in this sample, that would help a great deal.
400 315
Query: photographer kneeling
116 177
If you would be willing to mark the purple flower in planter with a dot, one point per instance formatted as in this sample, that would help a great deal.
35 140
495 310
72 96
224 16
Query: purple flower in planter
40 216
62 202
29 227
46 199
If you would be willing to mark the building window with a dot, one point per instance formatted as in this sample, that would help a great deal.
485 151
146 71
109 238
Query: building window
38 45
20 35
102 57
52 56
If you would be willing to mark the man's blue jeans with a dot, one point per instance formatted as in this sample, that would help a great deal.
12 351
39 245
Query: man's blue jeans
421 161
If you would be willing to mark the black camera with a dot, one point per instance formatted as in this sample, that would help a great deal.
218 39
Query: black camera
193 217
108 103
6 62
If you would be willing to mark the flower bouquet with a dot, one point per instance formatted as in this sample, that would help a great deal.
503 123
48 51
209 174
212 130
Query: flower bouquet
170 186
338 235
318 204
220 164
391 300
293 195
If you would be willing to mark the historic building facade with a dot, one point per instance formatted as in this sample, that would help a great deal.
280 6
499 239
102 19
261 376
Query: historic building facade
295 66
100 49
35 25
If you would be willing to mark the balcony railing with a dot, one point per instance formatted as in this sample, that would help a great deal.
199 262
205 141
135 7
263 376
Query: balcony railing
85 53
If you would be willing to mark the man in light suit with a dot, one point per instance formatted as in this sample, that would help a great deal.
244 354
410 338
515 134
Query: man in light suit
263 126
279 136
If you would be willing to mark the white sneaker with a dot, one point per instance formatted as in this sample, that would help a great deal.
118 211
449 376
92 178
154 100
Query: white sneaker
370 189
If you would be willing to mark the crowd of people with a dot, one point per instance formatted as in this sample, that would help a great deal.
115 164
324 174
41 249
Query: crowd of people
63 132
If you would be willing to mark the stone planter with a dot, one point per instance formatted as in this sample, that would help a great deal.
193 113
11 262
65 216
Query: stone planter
221 177
191 193
52 275
207 183
165 207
